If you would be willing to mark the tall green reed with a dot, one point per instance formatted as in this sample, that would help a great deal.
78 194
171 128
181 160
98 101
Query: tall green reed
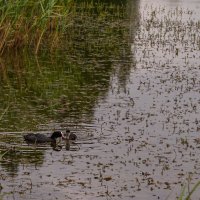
32 23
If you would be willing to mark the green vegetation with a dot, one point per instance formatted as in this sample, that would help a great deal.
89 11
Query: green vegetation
67 82
184 196
32 23
42 24
2 155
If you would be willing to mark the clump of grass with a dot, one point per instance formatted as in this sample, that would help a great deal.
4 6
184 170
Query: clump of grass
32 23
184 196
39 24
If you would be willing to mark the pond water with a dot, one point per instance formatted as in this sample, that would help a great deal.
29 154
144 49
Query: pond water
127 81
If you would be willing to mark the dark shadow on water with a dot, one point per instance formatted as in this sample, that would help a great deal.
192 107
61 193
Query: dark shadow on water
15 158
64 88
67 85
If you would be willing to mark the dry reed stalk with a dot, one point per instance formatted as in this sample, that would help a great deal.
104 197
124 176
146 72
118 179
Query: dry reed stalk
4 36
39 41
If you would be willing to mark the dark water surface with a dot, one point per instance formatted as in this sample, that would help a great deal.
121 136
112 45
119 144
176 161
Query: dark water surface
127 81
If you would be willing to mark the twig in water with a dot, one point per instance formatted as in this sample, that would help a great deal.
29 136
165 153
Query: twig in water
102 127
2 155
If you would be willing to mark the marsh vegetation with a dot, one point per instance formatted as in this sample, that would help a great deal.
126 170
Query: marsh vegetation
123 76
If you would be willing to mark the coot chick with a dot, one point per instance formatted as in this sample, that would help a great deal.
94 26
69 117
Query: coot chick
70 136
41 138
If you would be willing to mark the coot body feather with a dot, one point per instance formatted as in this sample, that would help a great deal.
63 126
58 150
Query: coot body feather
70 136
41 138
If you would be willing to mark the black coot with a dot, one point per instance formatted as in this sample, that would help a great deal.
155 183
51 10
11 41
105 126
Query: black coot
70 136
41 138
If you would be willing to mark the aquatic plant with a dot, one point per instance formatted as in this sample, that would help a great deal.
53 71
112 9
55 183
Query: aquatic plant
53 83
184 196
3 154
32 23
43 23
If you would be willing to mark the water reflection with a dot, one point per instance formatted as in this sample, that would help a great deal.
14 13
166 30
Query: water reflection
143 127
15 153
65 86
127 60
41 92
15 159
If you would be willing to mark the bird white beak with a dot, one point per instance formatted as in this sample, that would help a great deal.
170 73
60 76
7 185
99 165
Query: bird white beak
63 136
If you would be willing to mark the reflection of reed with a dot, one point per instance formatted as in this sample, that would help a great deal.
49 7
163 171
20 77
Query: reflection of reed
14 155
4 112
127 61
3 154
3 72
81 73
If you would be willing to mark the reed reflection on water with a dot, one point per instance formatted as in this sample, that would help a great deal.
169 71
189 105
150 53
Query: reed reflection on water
127 83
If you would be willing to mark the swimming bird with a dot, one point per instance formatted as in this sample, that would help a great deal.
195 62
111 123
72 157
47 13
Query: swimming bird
70 136
41 138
